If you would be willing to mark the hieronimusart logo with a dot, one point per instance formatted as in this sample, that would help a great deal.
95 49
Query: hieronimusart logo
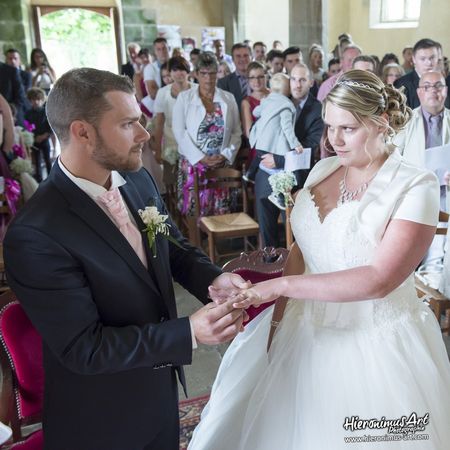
397 429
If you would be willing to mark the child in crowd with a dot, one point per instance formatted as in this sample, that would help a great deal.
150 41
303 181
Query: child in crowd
42 131
273 132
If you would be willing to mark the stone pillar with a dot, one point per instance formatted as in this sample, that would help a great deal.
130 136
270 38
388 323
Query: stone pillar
15 28
233 22
307 24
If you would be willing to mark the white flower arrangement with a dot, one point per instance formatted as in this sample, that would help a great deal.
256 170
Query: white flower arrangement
282 183
27 136
171 155
155 224
20 165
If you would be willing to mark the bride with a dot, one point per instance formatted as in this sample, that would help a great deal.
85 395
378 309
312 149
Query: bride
357 358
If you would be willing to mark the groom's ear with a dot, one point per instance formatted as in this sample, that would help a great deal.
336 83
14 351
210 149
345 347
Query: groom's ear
81 132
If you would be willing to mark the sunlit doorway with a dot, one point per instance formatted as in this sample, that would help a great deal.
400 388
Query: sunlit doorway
78 37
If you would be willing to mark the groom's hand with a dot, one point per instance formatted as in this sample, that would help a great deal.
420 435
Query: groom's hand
214 324
227 285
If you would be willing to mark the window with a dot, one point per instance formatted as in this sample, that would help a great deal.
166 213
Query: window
394 13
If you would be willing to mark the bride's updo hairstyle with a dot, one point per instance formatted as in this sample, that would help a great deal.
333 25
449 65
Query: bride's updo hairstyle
364 95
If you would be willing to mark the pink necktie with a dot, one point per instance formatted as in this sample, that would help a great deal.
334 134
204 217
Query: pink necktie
116 207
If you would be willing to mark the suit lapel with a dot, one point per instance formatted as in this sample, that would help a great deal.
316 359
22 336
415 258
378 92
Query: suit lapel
159 266
93 216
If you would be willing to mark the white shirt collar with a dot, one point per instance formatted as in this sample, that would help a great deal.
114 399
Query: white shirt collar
90 188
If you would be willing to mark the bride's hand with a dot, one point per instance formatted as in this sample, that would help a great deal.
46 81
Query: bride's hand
260 293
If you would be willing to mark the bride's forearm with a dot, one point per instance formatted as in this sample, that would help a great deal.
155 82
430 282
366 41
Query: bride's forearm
360 283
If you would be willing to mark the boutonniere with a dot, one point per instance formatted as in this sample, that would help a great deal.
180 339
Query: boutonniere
155 224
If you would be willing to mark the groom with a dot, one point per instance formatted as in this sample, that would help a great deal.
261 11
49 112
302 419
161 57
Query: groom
99 295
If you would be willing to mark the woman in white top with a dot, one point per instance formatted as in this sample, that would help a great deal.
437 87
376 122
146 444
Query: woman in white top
207 128
42 72
165 145
357 359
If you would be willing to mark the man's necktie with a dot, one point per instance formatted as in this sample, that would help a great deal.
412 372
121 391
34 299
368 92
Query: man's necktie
116 207
434 134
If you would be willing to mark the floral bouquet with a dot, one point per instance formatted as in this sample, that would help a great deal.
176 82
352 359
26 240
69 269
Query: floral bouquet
20 165
282 184
171 155
155 224
27 136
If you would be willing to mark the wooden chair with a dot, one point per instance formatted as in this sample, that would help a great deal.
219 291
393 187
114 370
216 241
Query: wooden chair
22 381
232 225
435 299
259 265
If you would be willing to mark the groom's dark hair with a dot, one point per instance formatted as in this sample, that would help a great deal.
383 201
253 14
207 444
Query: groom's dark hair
80 95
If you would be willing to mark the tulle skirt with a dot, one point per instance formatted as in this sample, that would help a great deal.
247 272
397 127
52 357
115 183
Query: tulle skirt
316 379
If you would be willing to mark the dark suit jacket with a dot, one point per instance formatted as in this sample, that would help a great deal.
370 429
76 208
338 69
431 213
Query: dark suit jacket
411 81
127 69
26 79
230 83
111 337
308 129
12 89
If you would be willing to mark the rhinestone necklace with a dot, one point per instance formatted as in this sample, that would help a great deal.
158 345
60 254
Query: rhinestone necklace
348 196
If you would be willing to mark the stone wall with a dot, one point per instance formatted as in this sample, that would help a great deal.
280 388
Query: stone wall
14 27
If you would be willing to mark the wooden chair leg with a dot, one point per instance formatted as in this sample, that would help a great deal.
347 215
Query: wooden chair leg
211 248
193 231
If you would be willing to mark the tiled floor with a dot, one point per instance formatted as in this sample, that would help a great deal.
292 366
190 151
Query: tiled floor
206 359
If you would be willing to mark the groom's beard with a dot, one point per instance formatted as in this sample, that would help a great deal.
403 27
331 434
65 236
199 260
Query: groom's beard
111 159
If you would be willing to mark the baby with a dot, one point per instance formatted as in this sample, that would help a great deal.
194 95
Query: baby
273 132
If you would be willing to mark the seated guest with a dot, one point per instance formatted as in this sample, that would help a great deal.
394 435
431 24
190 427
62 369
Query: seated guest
208 131
42 131
12 58
274 62
219 51
152 72
43 76
258 87
426 59
364 62
315 59
388 58
408 63
429 127
165 145
11 89
349 54
141 61
277 45
391 72
237 82
334 66
259 51
131 65
224 70
292 56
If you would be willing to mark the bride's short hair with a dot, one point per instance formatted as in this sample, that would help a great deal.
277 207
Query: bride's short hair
364 95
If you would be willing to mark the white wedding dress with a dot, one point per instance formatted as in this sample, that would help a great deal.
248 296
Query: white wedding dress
375 359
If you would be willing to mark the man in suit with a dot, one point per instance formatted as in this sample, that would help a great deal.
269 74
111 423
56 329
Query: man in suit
429 127
426 59
98 292
237 82
308 130
11 88
12 58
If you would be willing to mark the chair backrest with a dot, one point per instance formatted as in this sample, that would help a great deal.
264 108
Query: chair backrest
258 266
443 217
224 178
23 347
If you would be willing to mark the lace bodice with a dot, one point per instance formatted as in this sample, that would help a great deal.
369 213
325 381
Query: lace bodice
338 243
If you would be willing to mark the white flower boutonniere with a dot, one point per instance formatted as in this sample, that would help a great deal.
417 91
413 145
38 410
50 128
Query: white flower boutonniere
155 224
